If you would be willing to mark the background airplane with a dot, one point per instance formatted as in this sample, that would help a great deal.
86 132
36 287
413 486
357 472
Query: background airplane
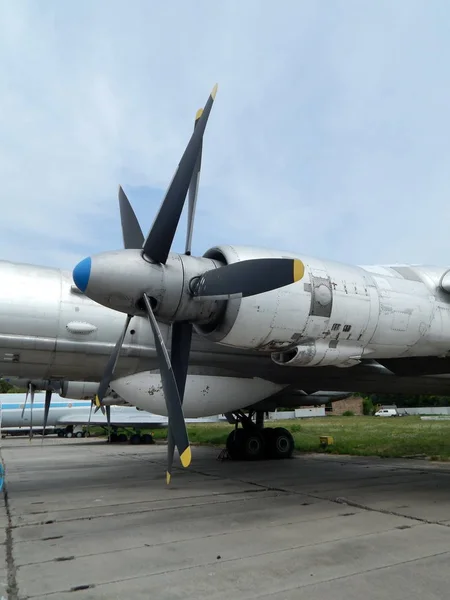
68 416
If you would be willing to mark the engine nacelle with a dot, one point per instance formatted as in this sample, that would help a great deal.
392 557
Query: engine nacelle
328 317
319 354
78 390
39 384
205 395
264 321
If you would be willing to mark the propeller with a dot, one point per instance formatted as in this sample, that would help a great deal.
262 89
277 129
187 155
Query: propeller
173 376
193 191
31 388
144 279
160 237
179 356
247 278
89 420
47 401
131 230
26 399
177 424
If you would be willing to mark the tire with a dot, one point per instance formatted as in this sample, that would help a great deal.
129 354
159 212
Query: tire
147 438
114 438
135 439
253 447
281 443
69 434
79 434
268 440
122 438
234 443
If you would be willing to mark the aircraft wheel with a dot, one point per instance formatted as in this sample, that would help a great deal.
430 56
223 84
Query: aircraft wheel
245 444
135 439
147 438
268 439
253 446
122 438
234 443
280 443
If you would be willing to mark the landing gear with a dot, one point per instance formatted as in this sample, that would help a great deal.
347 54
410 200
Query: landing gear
245 444
256 442
133 437
279 442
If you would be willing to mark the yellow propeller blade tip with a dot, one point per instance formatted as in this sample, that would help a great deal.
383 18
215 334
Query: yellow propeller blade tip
198 114
168 477
299 270
186 457
214 91
97 401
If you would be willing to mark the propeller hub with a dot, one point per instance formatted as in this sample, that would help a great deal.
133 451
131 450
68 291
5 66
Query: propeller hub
119 280
82 273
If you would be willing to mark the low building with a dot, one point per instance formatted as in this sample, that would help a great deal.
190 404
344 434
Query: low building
353 403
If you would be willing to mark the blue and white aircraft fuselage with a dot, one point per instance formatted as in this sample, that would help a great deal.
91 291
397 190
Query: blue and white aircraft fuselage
73 412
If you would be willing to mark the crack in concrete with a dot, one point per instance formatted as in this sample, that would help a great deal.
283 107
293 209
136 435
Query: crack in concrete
12 589
90 517
350 575
339 500
233 559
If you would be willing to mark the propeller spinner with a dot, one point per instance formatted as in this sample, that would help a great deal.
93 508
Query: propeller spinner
147 279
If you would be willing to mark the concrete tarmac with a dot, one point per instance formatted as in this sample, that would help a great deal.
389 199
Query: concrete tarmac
85 520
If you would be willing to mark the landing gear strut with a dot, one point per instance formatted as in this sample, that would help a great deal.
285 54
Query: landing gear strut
255 442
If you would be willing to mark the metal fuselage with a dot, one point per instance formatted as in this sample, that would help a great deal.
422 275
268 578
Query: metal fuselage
49 331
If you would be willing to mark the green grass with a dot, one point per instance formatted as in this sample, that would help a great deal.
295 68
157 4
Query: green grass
361 436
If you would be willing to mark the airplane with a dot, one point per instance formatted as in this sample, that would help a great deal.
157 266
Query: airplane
299 313
66 417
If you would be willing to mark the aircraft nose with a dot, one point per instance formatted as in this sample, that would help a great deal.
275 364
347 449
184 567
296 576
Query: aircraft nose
81 274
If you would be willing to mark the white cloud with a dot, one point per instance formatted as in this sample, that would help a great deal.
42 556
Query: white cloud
330 133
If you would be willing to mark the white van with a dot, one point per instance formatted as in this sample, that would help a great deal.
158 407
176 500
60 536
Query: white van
387 412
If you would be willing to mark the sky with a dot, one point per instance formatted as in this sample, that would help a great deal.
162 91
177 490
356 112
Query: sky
329 136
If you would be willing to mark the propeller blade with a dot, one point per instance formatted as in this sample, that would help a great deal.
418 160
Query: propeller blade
110 367
170 453
89 420
26 400
171 395
32 389
131 230
179 355
193 191
48 399
247 278
98 407
159 240
108 420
